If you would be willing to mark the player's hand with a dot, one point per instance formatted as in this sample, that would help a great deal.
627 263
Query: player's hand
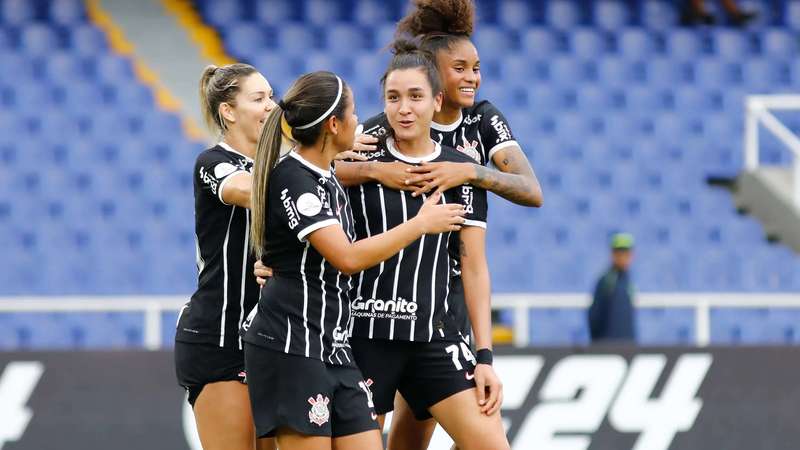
350 154
365 143
261 272
439 175
490 389
439 218
394 175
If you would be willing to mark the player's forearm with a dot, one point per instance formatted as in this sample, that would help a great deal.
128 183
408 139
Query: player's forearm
371 251
477 296
520 189
354 173
477 285
237 190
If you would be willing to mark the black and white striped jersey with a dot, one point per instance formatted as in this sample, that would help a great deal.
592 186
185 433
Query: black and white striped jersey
226 287
405 297
304 308
480 131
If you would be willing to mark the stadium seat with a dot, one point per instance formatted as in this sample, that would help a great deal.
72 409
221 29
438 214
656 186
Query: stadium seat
274 12
17 12
636 44
665 326
658 14
514 14
684 45
66 12
322 12
778 44
244 39
558 327
611 14
588 43
563 14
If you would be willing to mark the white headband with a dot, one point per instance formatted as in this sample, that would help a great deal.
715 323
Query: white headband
326 113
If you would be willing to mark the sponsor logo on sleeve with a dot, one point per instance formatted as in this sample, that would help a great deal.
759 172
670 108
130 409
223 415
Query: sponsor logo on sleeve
309 204
466 198
222 170
503 133
209 180
290 208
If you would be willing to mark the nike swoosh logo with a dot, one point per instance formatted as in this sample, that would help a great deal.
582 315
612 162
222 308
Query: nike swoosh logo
374 416
469 376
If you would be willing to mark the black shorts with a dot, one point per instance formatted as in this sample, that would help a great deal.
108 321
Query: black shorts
197 365
306 395
457 307
424 372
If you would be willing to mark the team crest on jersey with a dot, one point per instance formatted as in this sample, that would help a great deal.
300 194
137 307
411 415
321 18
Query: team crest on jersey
470 149
319 413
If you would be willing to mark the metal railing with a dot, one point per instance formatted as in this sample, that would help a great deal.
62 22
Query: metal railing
153 307
757 112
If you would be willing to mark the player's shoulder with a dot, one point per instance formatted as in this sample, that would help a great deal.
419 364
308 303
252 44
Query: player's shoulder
482 110
376 125
290 170
453 155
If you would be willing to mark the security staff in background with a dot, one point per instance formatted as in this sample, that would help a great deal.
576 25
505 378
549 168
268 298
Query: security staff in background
611 315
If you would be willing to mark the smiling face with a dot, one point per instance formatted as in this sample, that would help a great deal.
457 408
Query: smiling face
409 103
252 105
460 69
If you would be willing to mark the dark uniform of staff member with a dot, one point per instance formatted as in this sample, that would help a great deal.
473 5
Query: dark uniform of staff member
611 316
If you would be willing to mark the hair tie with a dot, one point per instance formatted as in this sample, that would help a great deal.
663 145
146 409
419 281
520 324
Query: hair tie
281 105
330 110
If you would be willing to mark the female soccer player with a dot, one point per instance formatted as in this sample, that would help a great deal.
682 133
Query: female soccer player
209 360
479 130
305 388
404 339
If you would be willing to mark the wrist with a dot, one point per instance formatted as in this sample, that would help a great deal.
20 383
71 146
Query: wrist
418 225
371 171
484 356
472 173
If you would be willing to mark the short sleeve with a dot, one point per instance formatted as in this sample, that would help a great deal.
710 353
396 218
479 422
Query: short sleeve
474 201
302 204
213 170
495 132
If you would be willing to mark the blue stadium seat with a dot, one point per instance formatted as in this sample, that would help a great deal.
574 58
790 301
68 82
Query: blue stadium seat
684 45
372 12
588 43
765 75
322 12
563 14
711 73
665 326
514 14
113 68
619 72
611 15
67 12
492 43
274 12
658 14
779 43
17 12
792 15
244 39
731 45
222 13
562 326
636 44
296 39
541 43
87 40
38 40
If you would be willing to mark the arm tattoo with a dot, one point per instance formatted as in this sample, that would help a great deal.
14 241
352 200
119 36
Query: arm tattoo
462 248
516 183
